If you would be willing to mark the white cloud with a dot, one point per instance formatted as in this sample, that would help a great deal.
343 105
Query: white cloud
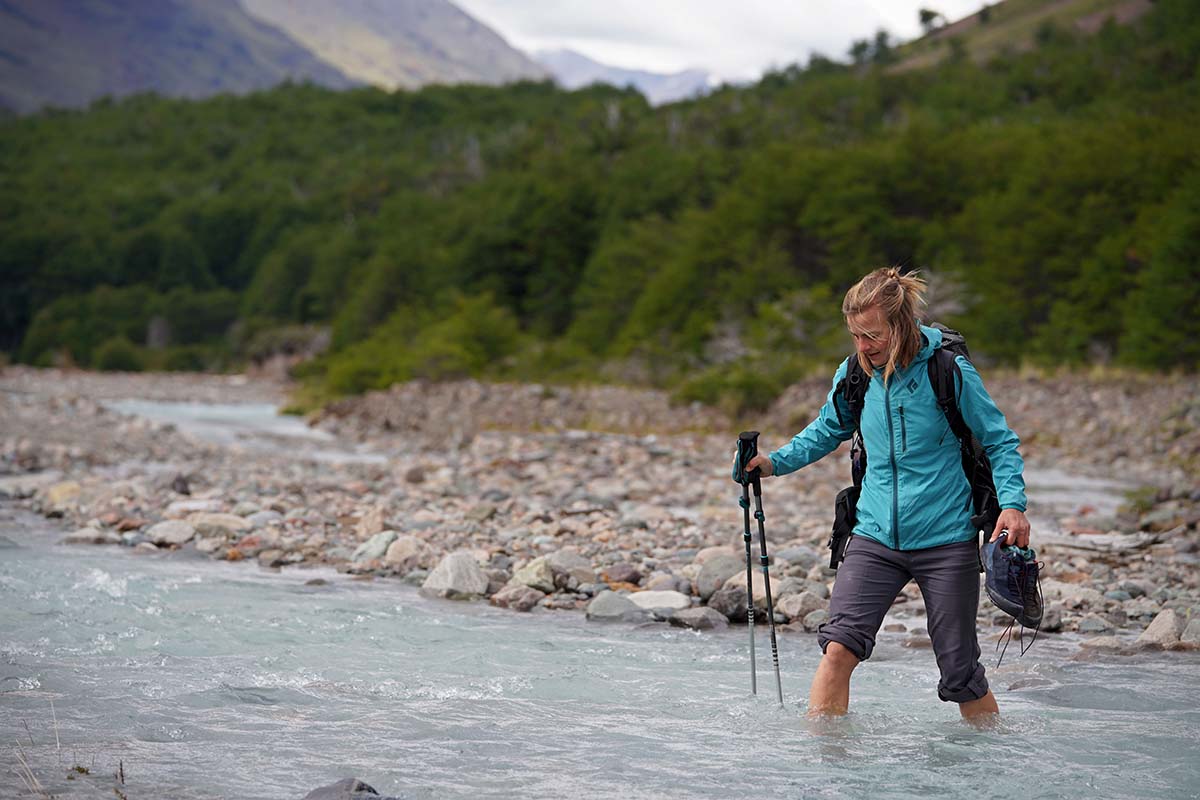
734 40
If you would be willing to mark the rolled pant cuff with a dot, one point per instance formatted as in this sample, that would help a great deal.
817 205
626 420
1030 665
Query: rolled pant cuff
976 688
827 633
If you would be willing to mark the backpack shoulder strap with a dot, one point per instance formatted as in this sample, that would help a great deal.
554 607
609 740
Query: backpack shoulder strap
853 389
944 377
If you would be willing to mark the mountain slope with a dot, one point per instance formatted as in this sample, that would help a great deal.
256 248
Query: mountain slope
399 43
573 70
70 52
1014 25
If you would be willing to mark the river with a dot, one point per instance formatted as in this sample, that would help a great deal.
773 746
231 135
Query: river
204 679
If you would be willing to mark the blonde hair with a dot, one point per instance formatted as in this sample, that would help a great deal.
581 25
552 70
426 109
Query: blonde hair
899 296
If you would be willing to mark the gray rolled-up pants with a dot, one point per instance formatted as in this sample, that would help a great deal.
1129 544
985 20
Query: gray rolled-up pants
872 575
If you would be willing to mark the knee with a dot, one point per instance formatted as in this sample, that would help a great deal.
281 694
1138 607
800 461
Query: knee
840 657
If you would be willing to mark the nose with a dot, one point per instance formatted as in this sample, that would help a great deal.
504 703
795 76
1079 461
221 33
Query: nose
861 345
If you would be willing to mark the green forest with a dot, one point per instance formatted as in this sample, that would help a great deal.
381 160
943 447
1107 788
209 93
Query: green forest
1051 196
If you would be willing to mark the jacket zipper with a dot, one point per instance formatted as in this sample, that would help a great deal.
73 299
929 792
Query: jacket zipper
887 403
903 432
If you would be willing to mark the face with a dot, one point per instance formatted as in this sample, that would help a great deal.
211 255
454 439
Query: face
872 337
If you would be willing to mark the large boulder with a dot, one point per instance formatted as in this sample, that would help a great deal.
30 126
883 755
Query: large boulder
730 601
715 570
59 498
537 574
171 532
700 618
1164 631
614 607
457 577
652 600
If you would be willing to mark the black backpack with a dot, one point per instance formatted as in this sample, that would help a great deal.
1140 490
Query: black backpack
944 376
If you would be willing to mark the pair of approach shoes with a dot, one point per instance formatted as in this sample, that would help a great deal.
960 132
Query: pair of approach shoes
1012 580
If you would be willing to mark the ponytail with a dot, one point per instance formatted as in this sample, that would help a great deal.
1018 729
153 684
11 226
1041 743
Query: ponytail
899 296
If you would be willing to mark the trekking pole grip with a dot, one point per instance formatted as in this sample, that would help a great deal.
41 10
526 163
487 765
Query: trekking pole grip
747 450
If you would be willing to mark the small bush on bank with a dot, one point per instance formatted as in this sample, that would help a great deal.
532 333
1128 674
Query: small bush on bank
118 354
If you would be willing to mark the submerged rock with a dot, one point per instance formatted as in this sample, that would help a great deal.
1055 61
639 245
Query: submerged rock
701 619
346 789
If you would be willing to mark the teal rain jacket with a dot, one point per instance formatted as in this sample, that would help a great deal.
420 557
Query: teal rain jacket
915 493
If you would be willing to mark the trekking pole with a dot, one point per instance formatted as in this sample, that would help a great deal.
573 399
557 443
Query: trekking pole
756 479
747 449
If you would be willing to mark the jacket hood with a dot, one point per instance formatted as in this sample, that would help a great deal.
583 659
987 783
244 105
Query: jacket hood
933 340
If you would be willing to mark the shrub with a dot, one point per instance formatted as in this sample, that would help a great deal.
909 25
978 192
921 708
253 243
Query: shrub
118 354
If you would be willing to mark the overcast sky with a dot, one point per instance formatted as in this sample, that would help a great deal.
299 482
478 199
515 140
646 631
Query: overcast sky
733 39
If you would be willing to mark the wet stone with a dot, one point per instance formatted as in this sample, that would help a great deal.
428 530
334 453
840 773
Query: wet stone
700 618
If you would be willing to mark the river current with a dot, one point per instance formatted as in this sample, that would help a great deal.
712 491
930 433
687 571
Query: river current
203 679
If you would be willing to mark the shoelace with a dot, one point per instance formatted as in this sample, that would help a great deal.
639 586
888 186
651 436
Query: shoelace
1022 576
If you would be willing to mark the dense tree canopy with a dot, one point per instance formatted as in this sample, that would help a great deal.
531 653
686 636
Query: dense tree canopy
1052 196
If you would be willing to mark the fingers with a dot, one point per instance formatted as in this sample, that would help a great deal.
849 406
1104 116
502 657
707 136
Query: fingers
762 464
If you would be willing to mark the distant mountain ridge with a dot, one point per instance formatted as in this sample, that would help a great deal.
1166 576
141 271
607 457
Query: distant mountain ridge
67 53
573 70
399 43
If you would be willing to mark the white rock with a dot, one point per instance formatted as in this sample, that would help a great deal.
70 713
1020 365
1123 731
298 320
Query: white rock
457 577
171 532
675 601
1164 631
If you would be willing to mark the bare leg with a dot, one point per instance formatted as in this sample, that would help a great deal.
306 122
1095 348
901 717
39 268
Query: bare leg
983 710
830 693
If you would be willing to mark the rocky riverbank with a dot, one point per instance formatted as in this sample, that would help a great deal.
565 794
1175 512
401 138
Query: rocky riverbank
527 497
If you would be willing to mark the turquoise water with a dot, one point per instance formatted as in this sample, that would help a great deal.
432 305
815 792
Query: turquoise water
215 680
